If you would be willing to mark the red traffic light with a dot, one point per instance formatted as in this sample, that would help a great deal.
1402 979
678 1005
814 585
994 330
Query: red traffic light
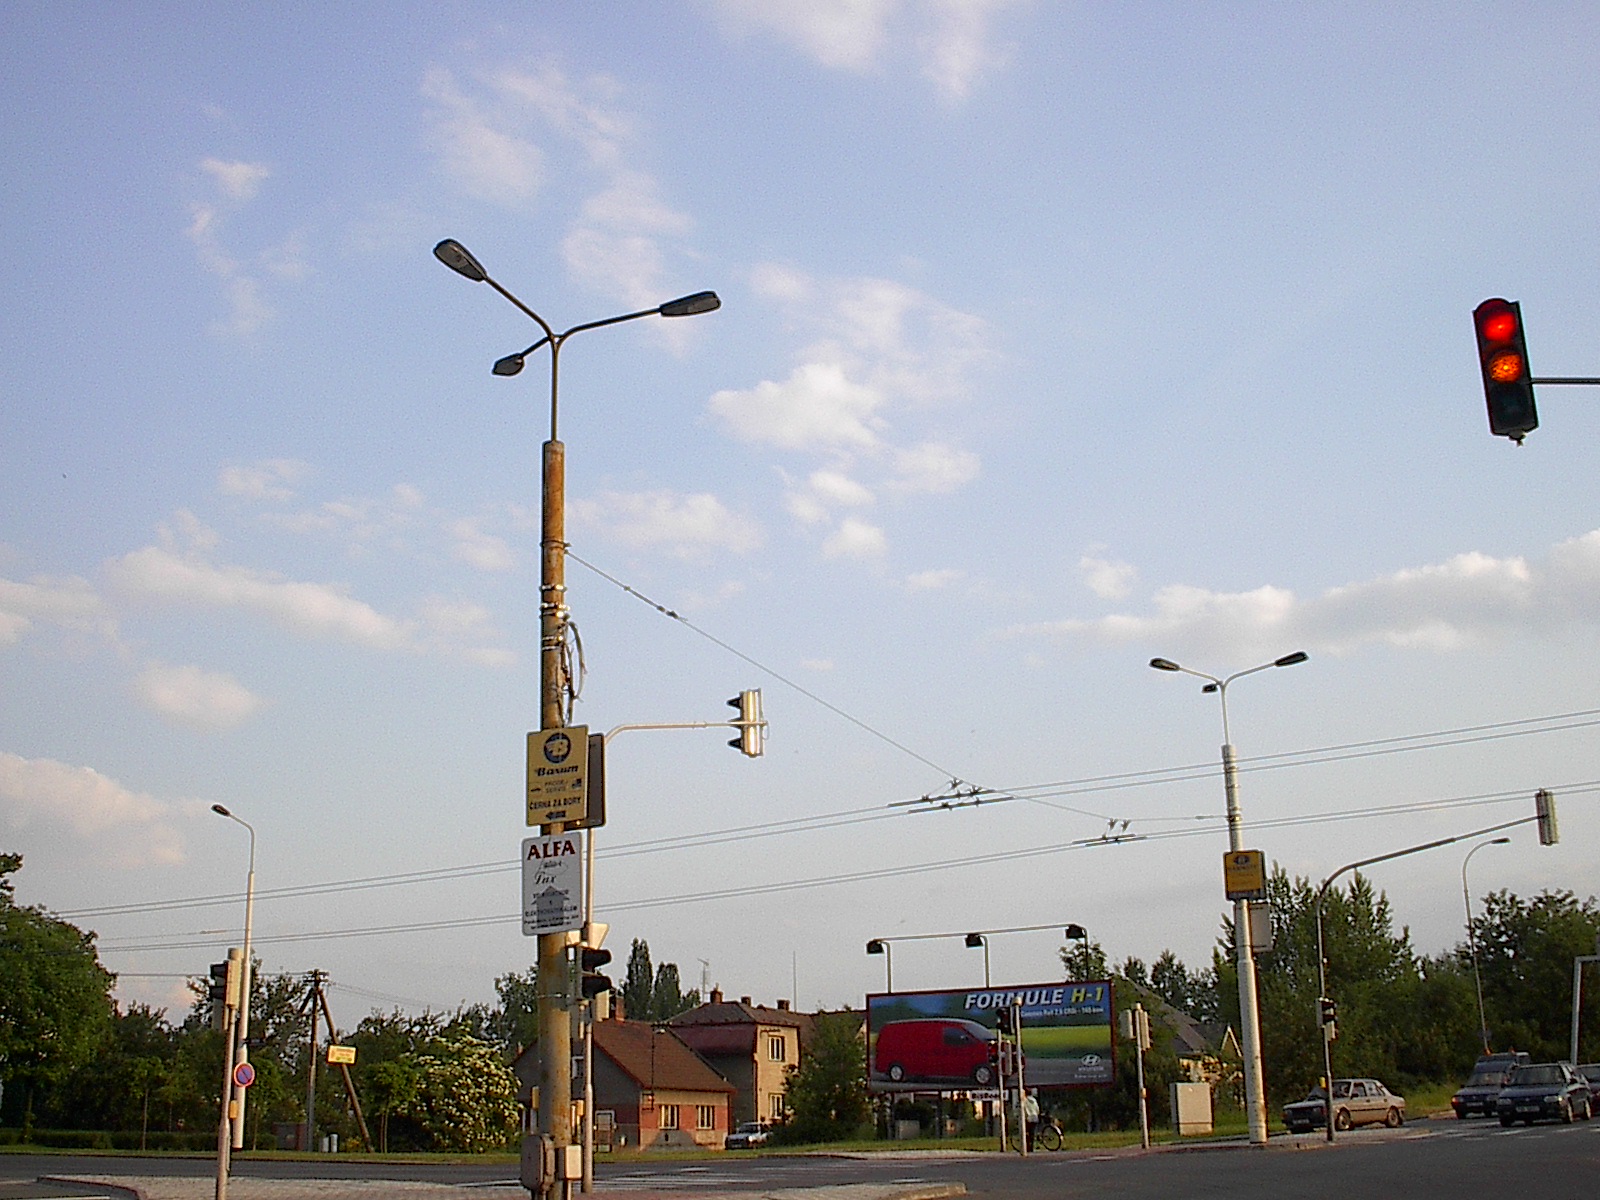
1503 360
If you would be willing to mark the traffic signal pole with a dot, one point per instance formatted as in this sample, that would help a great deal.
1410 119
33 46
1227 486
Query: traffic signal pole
1544 816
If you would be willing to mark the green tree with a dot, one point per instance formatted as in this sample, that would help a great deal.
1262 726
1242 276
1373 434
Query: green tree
639 985
467 1100
1525 953
514 1025
56 1009
392 1086
827 1090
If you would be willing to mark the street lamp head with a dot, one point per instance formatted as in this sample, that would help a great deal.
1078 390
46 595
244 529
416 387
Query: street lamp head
1208 688
875 946
511 364
974 939
1500 841
459 259
1077 932
1289 660
1164 664
687 306
220 811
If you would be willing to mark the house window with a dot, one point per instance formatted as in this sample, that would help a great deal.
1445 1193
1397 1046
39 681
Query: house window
669 1116
775 1105
705 1117
776 1049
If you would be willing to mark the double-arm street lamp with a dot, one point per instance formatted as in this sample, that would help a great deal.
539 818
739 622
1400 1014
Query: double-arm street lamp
1249 1008
1472 937
555 684
242 1044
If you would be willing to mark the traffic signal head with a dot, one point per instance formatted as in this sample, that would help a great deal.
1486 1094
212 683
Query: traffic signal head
752 727
1544 807
591 959
1330 1010
1003 1020
1503 359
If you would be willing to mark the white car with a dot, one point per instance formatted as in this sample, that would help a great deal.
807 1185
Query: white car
749 1135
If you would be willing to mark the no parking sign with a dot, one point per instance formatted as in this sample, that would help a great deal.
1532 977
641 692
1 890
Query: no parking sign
244 1074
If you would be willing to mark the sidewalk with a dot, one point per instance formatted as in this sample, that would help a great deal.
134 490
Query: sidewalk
152 1187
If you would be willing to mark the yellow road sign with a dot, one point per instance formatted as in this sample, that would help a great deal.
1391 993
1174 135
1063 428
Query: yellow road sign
558 774
1244 874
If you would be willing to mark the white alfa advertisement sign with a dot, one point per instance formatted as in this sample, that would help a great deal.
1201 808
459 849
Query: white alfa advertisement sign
552 884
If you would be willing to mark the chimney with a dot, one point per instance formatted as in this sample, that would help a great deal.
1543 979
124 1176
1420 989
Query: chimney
783 1006
745 1000
716 995
618 1012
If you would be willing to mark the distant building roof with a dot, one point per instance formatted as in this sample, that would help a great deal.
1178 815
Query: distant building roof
654 1057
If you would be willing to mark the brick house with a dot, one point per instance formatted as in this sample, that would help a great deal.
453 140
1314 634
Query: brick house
751 1046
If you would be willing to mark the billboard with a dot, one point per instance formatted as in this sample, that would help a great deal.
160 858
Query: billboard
947 1041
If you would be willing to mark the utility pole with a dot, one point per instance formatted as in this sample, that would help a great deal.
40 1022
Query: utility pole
313 997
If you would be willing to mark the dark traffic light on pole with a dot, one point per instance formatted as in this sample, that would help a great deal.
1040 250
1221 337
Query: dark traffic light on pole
1330 1014
591 959
1544 807
1503 359
752 728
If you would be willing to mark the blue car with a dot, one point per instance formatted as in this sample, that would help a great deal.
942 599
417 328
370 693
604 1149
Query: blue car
1543 1092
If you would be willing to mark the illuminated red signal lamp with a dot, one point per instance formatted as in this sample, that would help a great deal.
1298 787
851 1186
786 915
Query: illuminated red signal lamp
1503 359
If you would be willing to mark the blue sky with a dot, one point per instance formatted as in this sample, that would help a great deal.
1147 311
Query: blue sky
1055 337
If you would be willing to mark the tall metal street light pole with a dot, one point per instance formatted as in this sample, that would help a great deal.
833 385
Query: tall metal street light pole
1249 1008
1472 937
555 683
241 1042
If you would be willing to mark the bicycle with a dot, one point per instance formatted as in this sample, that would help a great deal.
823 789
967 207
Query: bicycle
1048 1135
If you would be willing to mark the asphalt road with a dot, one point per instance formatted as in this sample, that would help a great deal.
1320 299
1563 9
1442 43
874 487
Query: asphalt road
1424 1159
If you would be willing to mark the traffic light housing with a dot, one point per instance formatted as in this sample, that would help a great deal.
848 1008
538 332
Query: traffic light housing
1503 360
592 982
1003 1018
1544 807
1329 1012
223 988
752 727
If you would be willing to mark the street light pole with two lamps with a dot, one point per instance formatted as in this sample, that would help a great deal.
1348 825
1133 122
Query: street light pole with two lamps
556 692
1249 1006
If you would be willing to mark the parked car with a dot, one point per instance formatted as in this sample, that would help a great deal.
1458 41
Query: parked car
1591 1075
1355 1102
1544 1091
747 1136
935 1049
1478 1093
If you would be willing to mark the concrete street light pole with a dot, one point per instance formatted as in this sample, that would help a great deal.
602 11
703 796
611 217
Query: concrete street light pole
555 683
241 1051
1249 1008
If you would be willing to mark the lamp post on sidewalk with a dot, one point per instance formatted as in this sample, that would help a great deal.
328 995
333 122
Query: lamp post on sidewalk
1249 1007
241 1051
555 683
1472 937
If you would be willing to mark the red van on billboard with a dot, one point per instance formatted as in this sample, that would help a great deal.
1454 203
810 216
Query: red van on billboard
935 1049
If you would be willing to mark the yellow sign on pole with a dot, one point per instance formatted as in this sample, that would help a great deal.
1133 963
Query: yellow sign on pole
341 1054
558 774
1244 874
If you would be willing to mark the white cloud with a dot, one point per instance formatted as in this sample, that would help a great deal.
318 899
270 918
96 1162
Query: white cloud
933 467
1106 579
270 479
856 539
237 180
313 609
70 603
843 34
815 408
126 827
950 37
238 183
687 526
206 700
934 580
484 158
1469 599
482 550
